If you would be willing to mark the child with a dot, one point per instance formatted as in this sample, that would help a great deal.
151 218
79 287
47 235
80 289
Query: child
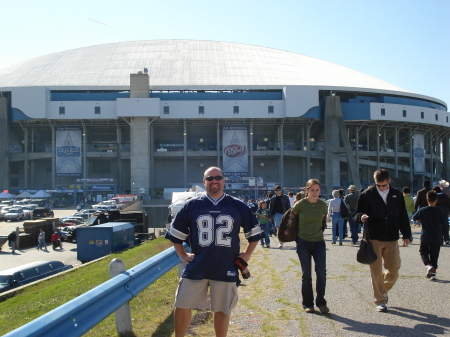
262 214
433 220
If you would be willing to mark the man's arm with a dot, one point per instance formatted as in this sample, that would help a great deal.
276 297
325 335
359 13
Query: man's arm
184 257
248 251
405 227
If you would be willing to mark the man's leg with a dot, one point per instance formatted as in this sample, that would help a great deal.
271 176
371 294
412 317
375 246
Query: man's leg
391 257
221 323
376 273
182 320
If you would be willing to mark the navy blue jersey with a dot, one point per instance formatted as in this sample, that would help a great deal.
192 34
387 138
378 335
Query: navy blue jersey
212 231
433 224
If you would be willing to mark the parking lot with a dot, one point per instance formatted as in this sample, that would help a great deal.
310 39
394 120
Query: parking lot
7 260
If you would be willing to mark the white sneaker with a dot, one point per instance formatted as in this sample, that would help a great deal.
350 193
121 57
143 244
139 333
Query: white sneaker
433 277
382 307
280 245
430 270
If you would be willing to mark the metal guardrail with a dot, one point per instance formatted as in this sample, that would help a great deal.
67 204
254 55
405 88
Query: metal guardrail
79 315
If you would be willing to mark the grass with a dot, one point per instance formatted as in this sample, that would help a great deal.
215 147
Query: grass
151 310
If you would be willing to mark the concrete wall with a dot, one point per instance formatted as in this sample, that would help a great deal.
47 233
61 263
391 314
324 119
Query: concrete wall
394 112
31 101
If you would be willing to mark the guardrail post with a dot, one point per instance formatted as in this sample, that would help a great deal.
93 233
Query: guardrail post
123 314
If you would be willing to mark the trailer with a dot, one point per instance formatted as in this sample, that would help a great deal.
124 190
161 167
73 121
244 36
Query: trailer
94 242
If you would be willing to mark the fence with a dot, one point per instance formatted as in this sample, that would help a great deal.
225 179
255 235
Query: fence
79 315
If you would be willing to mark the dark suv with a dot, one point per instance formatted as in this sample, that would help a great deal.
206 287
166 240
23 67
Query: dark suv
42 212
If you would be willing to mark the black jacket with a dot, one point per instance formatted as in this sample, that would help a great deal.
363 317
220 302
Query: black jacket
421 199
285 203
385 220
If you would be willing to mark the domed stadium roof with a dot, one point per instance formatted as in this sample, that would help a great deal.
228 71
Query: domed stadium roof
185 64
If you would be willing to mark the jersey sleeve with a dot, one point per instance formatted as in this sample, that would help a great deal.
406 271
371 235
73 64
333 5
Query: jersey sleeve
252 229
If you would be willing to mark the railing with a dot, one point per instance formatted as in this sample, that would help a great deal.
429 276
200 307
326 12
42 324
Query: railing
79 315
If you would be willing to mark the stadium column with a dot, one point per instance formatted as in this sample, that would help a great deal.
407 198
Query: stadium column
25 161
4 143
335 129
140 155
140 138
396 152
281 141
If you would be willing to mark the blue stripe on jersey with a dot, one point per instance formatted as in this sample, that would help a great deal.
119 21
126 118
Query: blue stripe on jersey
213 235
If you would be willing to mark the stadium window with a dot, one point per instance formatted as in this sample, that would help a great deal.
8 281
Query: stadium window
62 110
166 110
97 110
236 109
436 116
201 109
404 113
270 109
422 116
383 112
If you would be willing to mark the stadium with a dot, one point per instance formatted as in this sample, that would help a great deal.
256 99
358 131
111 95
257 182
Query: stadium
139 117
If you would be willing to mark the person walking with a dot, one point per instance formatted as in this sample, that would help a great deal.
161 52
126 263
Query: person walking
337 221
263 216
443 202
421 199
12 237
433 222
210 224
351 200
311 246
279 204
41 240
381 208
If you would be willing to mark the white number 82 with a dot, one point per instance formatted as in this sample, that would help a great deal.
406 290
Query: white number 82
205 224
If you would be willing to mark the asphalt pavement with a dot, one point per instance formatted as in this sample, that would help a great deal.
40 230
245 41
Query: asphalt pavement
270 301
22 256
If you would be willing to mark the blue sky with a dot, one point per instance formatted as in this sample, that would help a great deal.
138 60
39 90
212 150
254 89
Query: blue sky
404 42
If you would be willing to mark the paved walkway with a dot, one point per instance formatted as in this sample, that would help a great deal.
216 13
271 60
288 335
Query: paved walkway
270 301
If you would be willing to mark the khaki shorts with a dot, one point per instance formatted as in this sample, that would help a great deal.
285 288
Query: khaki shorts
191 294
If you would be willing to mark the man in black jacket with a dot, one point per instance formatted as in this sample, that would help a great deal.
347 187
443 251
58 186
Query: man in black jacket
382 210
421 199
279 204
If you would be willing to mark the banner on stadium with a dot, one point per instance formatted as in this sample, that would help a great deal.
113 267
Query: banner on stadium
419 154
68 151
235 153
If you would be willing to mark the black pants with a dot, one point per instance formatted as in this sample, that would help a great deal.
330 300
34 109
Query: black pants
429 252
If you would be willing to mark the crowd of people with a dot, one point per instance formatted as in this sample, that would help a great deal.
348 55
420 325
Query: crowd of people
210 225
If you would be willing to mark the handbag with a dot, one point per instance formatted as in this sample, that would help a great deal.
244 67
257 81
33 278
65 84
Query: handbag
366 254
288 230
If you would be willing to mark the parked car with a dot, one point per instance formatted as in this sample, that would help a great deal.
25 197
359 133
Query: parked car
69 233
69 222
42 212
30 272
4 210
28 211
14 213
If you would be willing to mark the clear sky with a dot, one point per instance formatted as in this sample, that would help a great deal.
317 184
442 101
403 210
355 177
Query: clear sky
404 42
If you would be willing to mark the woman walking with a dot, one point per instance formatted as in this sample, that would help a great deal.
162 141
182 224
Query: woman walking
311 245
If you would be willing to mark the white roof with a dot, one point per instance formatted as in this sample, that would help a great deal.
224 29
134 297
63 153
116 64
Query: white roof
184 64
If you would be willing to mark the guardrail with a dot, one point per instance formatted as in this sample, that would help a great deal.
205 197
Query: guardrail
79 315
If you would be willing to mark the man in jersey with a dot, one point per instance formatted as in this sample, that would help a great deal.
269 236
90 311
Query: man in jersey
210 224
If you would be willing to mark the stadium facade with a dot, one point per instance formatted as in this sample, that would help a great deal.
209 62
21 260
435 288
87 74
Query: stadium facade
147 115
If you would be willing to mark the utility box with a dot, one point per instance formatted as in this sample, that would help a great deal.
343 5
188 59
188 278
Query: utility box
97 241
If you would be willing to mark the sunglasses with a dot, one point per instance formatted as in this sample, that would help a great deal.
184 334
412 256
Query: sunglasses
277 190
211 178
382 185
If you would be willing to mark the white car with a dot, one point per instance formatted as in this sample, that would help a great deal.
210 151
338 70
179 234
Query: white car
14 214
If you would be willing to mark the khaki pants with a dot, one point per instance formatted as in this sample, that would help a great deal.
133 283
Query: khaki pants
388 256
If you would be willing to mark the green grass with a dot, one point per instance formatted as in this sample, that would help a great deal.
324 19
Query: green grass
151 310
